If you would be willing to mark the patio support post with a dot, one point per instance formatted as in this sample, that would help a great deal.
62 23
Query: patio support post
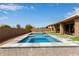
76 27
69 29
54 28
51 28
61 29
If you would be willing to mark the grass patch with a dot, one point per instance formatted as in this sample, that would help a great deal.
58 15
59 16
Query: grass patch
64 36
59 35
75 38
52 33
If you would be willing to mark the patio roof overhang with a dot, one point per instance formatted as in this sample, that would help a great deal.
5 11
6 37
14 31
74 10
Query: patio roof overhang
68 19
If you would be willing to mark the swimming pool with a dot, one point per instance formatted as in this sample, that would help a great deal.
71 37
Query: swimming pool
38 38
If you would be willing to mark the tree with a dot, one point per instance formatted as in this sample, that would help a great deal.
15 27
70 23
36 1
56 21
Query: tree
18 26
5 26
28 27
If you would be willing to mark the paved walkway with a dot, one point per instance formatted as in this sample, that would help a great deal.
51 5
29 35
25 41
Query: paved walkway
49 51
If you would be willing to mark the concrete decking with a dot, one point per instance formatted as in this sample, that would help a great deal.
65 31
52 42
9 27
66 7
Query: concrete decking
13 43
39 51
45 51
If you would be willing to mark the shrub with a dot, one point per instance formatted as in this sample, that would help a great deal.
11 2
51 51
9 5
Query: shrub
5 26
28 27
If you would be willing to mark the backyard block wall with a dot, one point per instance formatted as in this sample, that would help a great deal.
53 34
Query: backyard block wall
40 30
7 33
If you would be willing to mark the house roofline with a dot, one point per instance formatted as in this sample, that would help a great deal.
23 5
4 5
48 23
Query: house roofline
67 19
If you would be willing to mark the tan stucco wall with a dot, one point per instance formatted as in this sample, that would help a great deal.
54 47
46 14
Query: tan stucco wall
40 30
52 28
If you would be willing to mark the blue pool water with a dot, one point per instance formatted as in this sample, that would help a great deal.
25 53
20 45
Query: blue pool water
38 38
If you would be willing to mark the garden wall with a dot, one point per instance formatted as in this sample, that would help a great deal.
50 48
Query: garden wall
7 33
41 30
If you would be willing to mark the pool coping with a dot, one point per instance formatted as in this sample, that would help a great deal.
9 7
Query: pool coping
13 42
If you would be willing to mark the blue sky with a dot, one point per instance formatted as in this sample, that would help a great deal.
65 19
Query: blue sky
36 14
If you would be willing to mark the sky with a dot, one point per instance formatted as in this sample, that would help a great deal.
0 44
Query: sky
36 14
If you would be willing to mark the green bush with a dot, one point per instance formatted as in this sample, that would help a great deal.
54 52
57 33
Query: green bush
28 27
5 26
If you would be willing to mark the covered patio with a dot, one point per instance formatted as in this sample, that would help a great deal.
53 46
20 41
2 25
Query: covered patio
69 29
68 26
